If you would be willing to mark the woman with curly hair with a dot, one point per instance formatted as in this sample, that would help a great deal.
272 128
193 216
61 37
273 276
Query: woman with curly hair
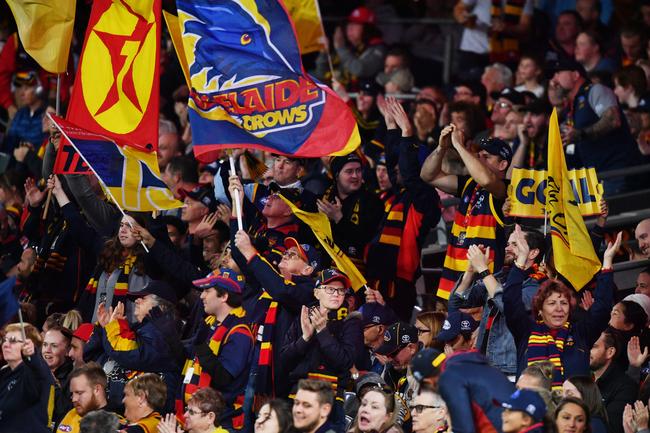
552 334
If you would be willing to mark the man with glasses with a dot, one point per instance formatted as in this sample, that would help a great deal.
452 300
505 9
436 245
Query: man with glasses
468 385
505 102
429 412
324 342
375 320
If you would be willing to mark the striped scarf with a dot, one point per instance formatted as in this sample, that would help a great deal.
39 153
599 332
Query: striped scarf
543 346
505 49
265 382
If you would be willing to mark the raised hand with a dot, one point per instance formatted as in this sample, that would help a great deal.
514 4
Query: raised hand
33 195
610 252
103 315
143 235
118 312
382 105
206 226
223 213
587 300
305 324
629 426
169 424
634 354
373 295
333 210
244 245
28 348
234 184
400 116
640 415
522 249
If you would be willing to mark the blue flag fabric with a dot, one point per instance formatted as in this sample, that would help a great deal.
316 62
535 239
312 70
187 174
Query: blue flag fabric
8 302
130 176
248 85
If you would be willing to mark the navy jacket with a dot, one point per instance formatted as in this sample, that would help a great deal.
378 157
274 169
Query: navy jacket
24 396
470 386
583 333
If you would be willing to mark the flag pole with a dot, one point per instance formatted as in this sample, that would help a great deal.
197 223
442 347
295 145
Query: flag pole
240 223
22 328
327 47
108 191
57 111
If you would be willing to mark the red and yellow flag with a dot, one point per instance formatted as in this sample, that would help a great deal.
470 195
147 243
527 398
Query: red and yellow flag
117 85
573 253
307 21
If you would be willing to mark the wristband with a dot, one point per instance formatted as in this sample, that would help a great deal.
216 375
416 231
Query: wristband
522 267
484 274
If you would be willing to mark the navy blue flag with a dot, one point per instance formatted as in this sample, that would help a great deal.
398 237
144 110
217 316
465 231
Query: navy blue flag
8 302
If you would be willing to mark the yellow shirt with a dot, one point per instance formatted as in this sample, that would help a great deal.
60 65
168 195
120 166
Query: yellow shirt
69 423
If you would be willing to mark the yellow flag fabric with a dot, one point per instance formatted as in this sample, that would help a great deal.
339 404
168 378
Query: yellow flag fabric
320 225
174 28
307 22
45 30
527 192
573 252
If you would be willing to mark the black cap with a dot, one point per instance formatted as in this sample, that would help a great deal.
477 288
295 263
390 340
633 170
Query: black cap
455 324
292 194
369 87
328 275
426 363
369 379
338 162
160 288
563 65
204 194
538 106
29 78
397 337
496 146
511 95
373 313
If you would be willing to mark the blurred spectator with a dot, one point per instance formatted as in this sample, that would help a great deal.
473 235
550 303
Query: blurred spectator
533 136
312 406
572 416
458 332
567 28
595 124
377 412
396 59
589 53
632 44
585 389
643 282
506 101
25 407
168 147
642 110
180 174
25 130
202 414
429 412
144 399
642 235
495 78
492 32
99 421
429 324
524 411
529 76
607 361
56 344
88 390
79 338
274 417
376 318
629 85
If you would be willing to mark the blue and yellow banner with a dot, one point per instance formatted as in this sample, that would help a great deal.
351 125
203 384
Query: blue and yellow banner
527 192
248 85
130 176
573 253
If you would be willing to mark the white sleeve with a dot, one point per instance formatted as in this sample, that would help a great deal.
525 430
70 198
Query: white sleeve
601 98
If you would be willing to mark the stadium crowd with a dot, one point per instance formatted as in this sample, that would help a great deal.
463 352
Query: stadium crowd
179 321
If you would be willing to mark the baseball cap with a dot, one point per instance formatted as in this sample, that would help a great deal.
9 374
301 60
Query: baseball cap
307 253
338 162
373 313
498 147
205 195
369 87
369 379
511 95
426 363
159 288
84 331
642 300
559 65
456 323
224 278
644 104
362 15
537 106
527 401
328 275
398 336
29 78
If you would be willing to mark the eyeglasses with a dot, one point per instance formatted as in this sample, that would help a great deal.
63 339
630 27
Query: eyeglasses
193 412
290 255
419 408
332 290
12 340
422 331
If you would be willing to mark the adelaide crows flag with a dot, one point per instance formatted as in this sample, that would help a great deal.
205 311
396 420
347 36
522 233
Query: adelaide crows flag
116 88
130 176
249 88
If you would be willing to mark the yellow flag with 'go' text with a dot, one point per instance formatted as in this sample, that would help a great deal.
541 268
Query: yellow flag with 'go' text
573 252
45 30
320 225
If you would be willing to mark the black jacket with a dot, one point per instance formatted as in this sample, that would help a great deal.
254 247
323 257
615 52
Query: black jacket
617 389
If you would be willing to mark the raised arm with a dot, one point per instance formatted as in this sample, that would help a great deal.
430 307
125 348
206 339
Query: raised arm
431 171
